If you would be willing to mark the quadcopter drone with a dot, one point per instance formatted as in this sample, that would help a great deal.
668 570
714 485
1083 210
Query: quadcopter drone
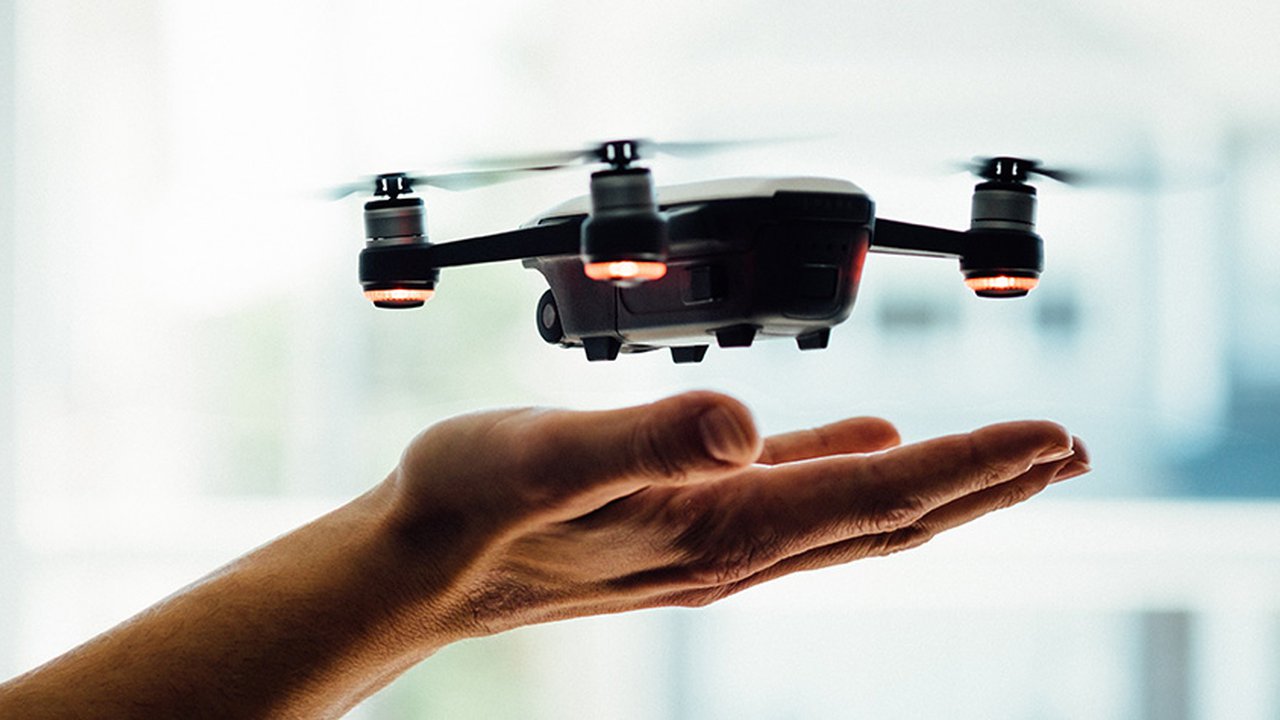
632 268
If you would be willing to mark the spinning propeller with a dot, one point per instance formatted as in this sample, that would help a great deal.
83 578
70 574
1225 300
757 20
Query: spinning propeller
393 185
617 154
1019 170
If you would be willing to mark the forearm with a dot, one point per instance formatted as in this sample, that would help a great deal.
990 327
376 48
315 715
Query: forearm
305 626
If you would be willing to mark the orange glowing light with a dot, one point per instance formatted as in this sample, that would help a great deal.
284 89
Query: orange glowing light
1002 284
399 296
625 270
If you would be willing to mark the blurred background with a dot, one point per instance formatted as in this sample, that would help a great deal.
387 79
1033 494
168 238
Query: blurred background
189 368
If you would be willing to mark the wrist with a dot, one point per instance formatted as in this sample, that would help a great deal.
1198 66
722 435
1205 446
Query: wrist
419 558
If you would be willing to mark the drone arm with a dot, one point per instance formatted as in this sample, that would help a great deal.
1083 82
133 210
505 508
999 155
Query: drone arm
900 238
997 262
405 275
561 238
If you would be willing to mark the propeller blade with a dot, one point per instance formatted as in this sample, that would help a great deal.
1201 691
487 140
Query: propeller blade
456 181
1023 168
1136 176
536 160
710 147
1063 175
351 188
500 169
644 148
471 179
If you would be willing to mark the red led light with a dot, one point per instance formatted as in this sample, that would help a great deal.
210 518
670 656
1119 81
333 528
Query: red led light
398 296
633 270
1002 285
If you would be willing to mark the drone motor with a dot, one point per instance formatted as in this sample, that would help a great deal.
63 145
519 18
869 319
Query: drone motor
1004 255
624 239
393 220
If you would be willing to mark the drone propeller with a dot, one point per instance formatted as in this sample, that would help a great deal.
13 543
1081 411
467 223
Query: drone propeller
494 170
1020 170
620 153
1004 168
395 184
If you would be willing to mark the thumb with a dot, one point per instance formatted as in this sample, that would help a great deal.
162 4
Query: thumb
665 441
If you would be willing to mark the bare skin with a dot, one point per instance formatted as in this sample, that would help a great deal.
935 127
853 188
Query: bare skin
501 519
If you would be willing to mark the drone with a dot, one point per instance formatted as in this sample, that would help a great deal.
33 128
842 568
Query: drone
633 268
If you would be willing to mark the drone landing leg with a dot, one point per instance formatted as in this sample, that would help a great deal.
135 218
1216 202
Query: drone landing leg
736 336
816 340
688 354
601 348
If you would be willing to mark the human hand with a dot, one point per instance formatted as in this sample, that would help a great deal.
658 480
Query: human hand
507 518
525 516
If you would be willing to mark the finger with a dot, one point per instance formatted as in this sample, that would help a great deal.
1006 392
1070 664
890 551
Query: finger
855 435
949 516
830 500
700 588
672 440
1080 461
751 546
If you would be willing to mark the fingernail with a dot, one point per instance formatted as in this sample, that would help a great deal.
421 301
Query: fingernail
1082 450
1053 455
722 435
1072 469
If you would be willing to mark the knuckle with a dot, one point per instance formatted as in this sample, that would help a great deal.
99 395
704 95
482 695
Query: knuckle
533 463
528 463
910 536
986 469
721 548
735 562
650 455
721 569
904 538
894 512
1018 492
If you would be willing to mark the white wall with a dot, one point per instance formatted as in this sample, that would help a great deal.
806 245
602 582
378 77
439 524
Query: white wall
10 550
